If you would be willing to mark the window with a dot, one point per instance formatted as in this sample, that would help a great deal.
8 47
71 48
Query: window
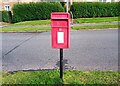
7 7
5 0
100 0
105 0
112 0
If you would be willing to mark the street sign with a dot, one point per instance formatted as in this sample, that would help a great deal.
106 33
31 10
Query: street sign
60 27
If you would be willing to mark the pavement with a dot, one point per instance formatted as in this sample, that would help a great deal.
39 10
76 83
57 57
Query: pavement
89 50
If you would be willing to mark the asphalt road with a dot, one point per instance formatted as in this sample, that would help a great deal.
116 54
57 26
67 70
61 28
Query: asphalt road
89 50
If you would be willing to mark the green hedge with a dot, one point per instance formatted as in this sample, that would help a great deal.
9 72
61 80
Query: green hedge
35 11
96 9
6 16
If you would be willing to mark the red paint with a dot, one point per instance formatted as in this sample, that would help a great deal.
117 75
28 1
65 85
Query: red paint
60 22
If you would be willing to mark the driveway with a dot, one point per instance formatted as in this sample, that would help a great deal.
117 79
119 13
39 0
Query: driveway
89 50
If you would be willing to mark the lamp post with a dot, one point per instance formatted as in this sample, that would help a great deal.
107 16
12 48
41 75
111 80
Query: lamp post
67 4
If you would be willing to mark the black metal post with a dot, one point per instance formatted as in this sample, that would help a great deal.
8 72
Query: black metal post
61 63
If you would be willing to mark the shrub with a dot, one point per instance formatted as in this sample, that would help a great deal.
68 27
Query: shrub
96 9
6 16
35 11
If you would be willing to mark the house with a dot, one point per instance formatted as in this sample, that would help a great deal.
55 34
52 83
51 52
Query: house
8 4
96 0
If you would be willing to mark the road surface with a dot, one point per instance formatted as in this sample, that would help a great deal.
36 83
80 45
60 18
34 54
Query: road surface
89 50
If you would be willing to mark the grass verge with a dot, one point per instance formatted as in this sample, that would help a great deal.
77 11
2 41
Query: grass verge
34 22
70 77
95 27
24 29
33 29
96 20
79 20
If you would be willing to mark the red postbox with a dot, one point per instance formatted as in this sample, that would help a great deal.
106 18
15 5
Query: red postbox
60 27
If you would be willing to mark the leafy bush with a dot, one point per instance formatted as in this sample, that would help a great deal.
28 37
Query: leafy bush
6 16
35 11
96 9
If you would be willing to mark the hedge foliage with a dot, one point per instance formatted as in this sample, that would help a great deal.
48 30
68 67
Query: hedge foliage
42 10
7 16
35 11
96 9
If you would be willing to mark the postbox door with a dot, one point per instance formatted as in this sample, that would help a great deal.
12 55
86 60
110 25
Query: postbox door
61 36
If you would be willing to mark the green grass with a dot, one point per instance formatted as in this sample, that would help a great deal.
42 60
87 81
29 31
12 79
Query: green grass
34 22
24 29
79 20
70 77
96 20
30 25
95 27
32 29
